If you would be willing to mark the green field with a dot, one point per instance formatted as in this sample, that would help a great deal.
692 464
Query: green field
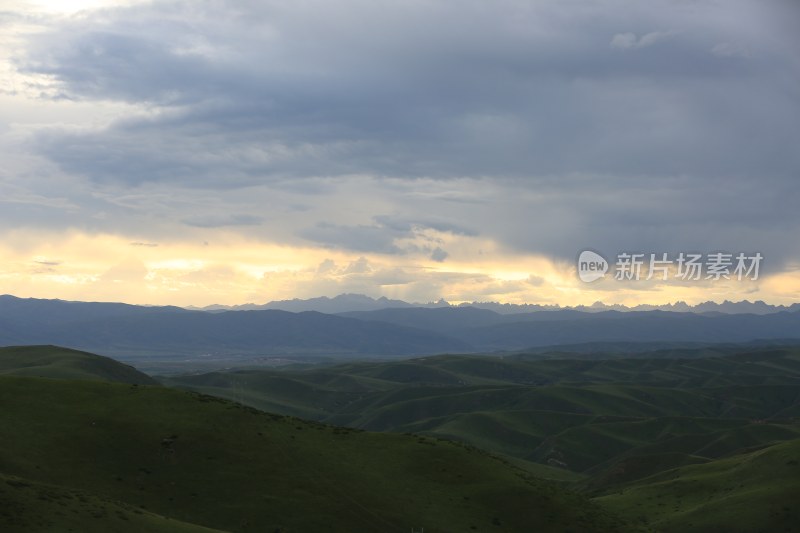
63 363
448 443
756 491
584 415
105 452
604 424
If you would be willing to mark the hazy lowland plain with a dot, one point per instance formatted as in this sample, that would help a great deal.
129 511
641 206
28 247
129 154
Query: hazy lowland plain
339 432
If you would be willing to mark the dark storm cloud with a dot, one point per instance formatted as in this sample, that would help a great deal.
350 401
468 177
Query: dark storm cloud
672 215
613 125
434 89
360 238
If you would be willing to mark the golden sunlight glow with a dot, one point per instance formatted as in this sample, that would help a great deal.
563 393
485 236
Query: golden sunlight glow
236 270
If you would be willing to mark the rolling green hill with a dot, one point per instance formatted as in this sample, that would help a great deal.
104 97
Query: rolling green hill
206 461
588 416
756 491
63 363
686 443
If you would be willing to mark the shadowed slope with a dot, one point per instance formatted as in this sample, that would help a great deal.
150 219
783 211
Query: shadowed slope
207 461
757 491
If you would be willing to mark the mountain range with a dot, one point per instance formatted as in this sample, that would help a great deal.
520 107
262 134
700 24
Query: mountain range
132 331
344 303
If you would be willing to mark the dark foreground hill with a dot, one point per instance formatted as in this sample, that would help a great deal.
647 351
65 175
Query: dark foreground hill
119 457
27 506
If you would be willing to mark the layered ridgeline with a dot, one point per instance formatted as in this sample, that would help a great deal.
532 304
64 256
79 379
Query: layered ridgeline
100 453
486 330
687 440
678 420
135 332
349 302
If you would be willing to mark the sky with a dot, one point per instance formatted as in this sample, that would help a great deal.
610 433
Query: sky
232 151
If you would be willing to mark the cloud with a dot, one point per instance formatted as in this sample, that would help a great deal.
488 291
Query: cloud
242 271
624 40
536 281
219 221
329 265
360 238
630 40
359 266
46 262
409 224
400 129
731 50
389 234
45 266
439 255
238 99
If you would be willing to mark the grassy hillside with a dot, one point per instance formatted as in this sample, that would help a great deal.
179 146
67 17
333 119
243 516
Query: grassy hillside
593 417
756 491
63 363
673 444
206 461
28 506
